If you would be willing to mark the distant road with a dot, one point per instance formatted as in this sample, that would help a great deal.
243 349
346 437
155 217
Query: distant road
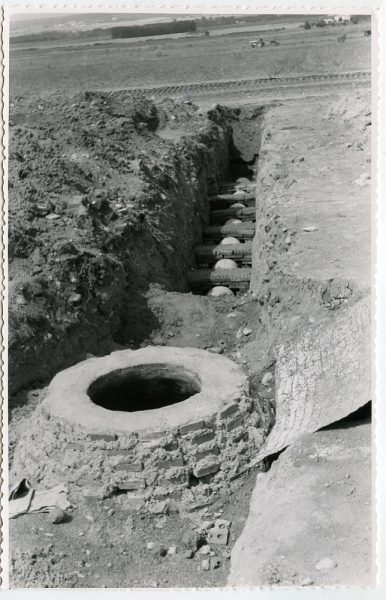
258 83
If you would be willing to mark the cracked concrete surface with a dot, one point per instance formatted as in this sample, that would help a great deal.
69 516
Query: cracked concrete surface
314 504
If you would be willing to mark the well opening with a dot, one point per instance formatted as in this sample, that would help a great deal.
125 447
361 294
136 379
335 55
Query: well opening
144 387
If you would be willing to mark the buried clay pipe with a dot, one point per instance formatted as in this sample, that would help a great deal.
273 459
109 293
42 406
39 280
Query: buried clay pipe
228 241
220 290
225 263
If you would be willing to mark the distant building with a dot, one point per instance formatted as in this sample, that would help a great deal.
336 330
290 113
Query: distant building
342 18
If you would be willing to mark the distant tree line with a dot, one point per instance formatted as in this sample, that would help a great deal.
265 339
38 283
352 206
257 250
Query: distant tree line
131 31
52 36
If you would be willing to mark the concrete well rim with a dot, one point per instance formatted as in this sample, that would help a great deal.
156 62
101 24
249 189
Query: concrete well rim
223 382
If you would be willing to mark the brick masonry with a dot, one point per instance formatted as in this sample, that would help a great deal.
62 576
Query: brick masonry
149 466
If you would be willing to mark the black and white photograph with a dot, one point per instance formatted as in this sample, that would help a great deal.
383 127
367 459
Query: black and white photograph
189 298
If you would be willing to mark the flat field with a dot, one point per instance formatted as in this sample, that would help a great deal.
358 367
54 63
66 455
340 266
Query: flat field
111 65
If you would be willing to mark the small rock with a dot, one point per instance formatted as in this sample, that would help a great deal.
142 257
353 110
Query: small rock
247 331
216 350
205 565
325 564
222 523
267 379
159 507
34 395
310 228
56 515
205 549
172 550
306 581
214 563
189 554
161 522
75 298
190 540
150 545
205 525
311 320
362 180
288 240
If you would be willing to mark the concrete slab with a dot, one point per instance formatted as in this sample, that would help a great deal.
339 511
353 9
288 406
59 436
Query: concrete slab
310 515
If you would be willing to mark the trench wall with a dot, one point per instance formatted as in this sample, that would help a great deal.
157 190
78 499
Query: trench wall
269 240
95 297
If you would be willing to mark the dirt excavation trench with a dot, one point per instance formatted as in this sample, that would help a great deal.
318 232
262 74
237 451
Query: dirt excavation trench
185 272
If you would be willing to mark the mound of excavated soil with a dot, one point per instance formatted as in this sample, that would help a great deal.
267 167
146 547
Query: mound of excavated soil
101 203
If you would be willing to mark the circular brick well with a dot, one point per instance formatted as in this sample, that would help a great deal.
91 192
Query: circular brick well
144 387
160 425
